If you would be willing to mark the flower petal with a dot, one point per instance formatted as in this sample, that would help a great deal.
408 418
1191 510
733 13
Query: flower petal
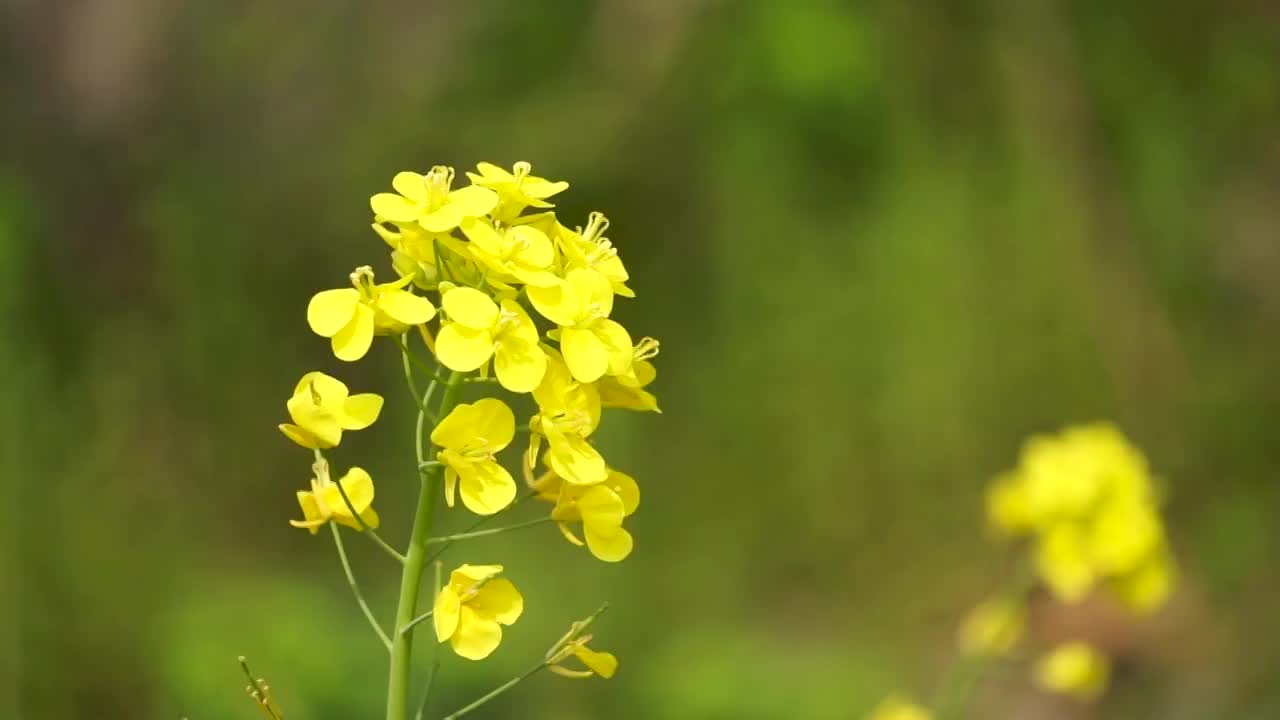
482 236
405 307
331 390
494 422
626 488
476 637
473 201
519 365
557 302
360 411
585 354
617 342
486 487
573 459
331 310
353 341
498 599
445 613
464 576
601 663
393 207
470 307
411 185
462 348
359 488
300 436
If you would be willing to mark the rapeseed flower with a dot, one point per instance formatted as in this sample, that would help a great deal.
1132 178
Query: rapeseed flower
627 390
429 200
324 501
519 253
516 189
599 508
350 317
472 608
478 329
568 412
589 248
596 662
591 343
322 407
469 437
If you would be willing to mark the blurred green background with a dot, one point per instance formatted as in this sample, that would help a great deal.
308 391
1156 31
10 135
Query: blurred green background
881 243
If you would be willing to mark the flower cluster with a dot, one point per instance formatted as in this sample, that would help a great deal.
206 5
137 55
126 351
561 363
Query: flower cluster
1086 499
1087 505
502 295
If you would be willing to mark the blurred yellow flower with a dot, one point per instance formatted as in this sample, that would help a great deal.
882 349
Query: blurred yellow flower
478 328
599 508
993 628
429 200
591 343
350 317
324 501
896 707
1074 669
472 608
517 189
321 408
469 436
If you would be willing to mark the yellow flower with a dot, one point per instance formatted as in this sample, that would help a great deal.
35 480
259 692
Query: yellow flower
592 344
1146 588
429 201
597 663
568 412
478 329
472 608
1074 669
516 189
600 509
470 436
589 248
321 408
993 628
627 390
350 317
518 253
896 707
324 501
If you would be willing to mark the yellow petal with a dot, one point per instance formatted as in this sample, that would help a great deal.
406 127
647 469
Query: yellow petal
520 365
486 487
445 612
331 310
499 600
456 429
601 663
316 421
626 488
462 348
556 303
609 545
360 411
1062 562
1075 669
394 208
358 486
476 637
331 390
494 422
450 478
411 185
300 436
473 201
592 289
537 252
482 236
465 576
618 342
405 307
573 459
353 341
312 516
601 508
470 307
585 354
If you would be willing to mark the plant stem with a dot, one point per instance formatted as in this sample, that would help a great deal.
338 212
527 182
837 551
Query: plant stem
491 531
355 587
498 691
415 559
435 651
449 543
373 535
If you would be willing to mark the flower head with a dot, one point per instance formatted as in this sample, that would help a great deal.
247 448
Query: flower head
519 253
568 412
321 408
1074 669
324 501
472 608
429 200
599 508
350 317
589 248
516 189
627 390
592 344
478 328
993 628
469 436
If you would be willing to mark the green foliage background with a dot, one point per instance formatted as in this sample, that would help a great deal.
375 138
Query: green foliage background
881 243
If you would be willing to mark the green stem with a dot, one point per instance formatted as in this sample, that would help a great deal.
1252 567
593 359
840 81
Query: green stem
415 559
421 618
491 531
498 691
435 652
475 525
355 587
364 527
